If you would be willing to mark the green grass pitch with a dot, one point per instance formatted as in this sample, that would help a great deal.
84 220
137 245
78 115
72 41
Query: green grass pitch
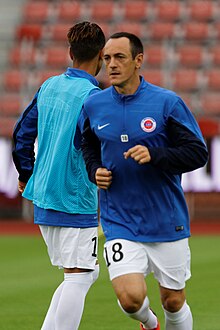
27 282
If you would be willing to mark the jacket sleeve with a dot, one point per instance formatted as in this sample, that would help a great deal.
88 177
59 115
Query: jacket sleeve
24 136
91 149
186 153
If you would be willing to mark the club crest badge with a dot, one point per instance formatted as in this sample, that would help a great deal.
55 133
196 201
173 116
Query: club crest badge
148 124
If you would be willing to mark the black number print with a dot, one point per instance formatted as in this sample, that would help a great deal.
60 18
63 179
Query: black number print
94 254
106 258
118 255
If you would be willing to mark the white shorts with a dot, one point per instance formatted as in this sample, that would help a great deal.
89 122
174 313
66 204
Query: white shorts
71 247
169 261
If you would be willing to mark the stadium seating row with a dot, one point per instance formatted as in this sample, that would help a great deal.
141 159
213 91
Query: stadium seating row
148 31
37 57
183 55
168 10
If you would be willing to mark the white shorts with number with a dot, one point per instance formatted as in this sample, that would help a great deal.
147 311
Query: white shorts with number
71 247
169 261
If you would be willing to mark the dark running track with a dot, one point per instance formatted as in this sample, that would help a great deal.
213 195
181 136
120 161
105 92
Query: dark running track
16 227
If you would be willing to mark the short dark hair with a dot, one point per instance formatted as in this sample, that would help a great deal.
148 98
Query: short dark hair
135 42
86 39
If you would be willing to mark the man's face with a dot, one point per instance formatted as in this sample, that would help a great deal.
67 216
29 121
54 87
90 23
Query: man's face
120 66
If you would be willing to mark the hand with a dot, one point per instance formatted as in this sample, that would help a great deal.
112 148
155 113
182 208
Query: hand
21 186
103 178
139 153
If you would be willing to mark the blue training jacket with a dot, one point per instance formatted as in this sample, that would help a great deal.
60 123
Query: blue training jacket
144 202
57 180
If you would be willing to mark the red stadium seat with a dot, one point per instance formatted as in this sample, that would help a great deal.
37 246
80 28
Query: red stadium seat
14 80
59 32
185 80
216 27
210 103
68 11
35 12
214 79
196 31
135 10
155 77
168 10
201 10
160 30
102 10
10 105
135 28
22 56
190 55
215 52
154 55
29 31
7 125
57 57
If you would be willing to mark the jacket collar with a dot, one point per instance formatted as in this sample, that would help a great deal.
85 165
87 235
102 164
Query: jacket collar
73 72
122 97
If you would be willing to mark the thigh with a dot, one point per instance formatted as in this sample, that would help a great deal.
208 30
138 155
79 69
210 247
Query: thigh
170 262
125 257
71 247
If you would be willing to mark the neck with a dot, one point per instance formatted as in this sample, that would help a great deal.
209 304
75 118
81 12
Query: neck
129 87
90 66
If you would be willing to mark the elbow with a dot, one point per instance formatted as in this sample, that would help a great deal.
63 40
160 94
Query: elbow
202 157
205 159
205 155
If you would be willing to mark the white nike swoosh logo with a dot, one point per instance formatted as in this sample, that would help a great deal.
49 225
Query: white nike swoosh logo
102 126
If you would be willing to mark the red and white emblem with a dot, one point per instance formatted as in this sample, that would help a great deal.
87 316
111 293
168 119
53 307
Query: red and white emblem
148 124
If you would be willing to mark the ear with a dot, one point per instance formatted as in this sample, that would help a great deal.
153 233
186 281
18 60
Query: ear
139 60
101 54
71 54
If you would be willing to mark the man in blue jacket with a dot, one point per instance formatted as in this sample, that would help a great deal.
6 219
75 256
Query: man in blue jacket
65 201
138 139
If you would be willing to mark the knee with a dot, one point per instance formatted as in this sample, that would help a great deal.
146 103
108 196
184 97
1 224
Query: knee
173 303
130 303
172 300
